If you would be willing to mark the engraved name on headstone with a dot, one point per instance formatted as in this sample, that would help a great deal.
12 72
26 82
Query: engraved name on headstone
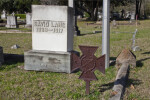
49 26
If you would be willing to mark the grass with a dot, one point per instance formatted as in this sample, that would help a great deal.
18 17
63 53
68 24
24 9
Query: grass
16 83
21 28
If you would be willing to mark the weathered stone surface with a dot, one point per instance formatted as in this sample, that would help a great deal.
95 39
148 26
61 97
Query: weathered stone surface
1 55
12 22
126 56
120 83
48 61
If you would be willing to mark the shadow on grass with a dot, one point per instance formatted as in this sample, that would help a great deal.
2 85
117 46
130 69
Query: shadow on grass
123 80
146 53
13 58
113 59
105 87
139 62
89 34
10 61
134 82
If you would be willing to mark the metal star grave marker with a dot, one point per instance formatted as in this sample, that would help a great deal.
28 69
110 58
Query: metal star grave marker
88 63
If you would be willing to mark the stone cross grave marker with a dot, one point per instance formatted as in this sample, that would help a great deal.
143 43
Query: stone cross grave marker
52 39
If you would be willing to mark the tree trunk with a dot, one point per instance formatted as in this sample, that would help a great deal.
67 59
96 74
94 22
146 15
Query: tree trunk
96 11
138 7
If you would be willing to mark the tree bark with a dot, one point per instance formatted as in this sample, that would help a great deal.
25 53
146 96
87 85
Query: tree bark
138 7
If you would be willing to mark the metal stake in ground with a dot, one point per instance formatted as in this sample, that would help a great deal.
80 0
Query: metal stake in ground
88 63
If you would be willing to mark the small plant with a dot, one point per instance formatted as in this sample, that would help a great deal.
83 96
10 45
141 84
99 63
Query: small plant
22 16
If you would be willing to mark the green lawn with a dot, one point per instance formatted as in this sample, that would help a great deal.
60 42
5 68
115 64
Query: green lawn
19 84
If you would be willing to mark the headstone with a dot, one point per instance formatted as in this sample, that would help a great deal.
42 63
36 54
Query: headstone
28 20
1 55
132 16
11 22
3 15
52 39
114 23
126 56
13 14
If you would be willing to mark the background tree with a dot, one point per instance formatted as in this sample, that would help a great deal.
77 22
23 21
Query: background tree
89 6
138 7
54 2
20 6
8 5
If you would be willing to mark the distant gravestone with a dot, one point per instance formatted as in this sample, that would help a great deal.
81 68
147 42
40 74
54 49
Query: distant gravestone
13 14
1 55
3 15
28 20
52 39
79 17
114 23
11 22
132 16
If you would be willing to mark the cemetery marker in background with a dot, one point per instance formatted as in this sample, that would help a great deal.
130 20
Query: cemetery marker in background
88 63
106 32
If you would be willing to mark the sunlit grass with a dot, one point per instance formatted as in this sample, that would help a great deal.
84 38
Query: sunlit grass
16 83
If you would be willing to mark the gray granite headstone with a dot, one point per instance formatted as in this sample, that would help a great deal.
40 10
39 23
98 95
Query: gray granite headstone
11 22
28 20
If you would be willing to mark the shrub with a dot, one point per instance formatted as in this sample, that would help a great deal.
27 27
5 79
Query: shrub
22 16
1 21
